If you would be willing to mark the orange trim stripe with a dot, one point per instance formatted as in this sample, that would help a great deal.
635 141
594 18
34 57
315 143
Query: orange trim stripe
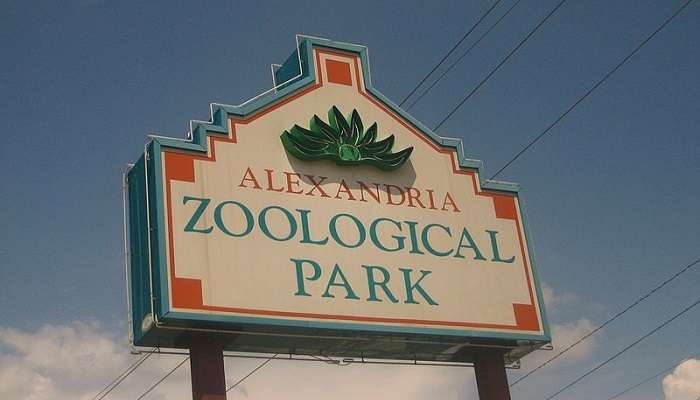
504 206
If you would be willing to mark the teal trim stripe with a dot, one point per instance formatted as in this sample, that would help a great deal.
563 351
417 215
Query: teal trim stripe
535 275
220 112
351 326
218 125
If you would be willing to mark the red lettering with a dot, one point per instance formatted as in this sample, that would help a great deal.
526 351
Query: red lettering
390 199
375 194
317 186
293 182
270 182
248 176
431 197
343 188
451 201
413 194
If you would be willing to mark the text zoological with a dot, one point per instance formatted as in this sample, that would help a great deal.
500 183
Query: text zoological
407 235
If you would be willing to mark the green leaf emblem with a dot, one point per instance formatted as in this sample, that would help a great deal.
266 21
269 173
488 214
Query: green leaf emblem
344 141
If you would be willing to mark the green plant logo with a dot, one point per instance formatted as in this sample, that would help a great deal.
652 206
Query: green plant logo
344 141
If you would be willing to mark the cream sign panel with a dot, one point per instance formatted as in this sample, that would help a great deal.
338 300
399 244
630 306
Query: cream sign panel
265 224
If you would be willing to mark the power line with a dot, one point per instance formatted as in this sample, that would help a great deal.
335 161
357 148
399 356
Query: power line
592 89
629 389
619 353
442 60
500 64
133 367
159 381
609 320
112 385
624 60
120 378
251 373
458 60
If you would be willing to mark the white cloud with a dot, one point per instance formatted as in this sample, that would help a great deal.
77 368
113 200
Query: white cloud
554 301
75 361
563 335
69 362
684 382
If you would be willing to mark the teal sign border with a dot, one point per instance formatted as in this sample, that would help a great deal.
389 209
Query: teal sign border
147 240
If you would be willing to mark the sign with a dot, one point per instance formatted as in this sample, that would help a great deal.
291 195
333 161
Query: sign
320 216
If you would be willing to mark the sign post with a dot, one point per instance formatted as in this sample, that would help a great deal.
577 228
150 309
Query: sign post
207 369
491 378
321 218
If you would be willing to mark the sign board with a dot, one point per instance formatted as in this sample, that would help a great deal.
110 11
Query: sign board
320 217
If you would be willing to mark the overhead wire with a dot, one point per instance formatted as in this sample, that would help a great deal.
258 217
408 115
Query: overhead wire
624 350
499 65
159 381
537 138
461 57
262 364
442 60
129 370
591 90
456 45
120 378
104 392
544 132
607 322
642 382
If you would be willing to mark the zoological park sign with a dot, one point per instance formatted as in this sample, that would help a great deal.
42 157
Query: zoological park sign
320 217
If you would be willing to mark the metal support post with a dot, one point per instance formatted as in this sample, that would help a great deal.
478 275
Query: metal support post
207 369
491 378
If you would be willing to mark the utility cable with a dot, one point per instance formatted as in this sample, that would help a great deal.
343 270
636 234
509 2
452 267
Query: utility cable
459 59
629 346
609 320
112 385
500 64
442 60
629 389
591 90
159 381
251 373
120 378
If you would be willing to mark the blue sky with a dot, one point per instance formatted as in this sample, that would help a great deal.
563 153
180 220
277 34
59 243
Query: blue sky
611 195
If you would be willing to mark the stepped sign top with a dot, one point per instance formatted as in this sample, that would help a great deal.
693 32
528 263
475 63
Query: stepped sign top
322 210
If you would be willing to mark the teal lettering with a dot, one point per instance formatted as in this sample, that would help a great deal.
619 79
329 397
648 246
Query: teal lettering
471 245
337 272
306 231
262 221
203 203
416 286
414 237
372 283
362 234
426 242
494 248
299 265
375 239
218 220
